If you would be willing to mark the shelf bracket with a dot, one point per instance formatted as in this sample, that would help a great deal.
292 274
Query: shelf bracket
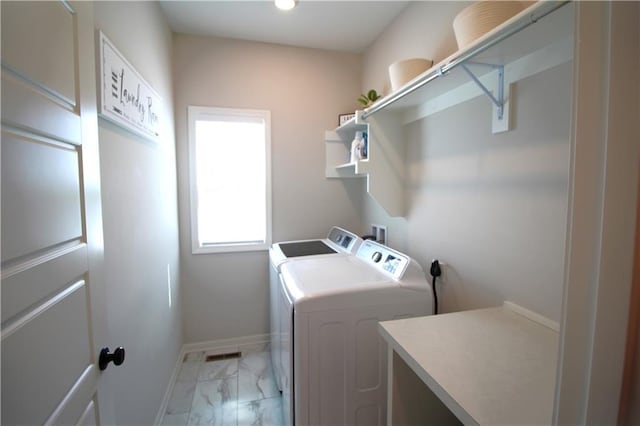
499 101
501 119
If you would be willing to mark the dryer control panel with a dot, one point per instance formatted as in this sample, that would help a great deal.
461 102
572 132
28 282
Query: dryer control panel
383 258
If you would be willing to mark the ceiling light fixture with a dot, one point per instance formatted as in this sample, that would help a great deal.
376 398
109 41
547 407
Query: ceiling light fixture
285 4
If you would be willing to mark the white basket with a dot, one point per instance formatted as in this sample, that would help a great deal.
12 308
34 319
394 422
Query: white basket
481 17
402 72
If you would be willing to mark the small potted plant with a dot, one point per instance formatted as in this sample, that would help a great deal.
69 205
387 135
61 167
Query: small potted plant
368 99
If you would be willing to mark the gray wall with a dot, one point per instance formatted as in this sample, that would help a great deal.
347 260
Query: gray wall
493 207
140 222
226 295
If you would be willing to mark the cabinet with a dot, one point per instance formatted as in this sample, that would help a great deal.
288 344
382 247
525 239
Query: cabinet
537 39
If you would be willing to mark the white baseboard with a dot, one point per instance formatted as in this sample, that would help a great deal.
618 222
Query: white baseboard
169 391
222 345
533 316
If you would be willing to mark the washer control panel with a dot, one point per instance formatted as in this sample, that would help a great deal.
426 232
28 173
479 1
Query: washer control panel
383 258
344 239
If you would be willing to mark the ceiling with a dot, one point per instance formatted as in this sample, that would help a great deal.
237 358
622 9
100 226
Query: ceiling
349 26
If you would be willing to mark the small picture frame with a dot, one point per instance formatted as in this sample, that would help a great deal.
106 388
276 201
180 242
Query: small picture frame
343 118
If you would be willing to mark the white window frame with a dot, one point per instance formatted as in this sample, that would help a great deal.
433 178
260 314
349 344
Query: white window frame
195 113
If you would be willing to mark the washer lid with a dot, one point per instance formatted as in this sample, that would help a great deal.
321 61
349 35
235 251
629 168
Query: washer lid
338 242
305 248
309 278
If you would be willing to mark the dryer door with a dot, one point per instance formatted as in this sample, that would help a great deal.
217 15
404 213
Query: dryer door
286 353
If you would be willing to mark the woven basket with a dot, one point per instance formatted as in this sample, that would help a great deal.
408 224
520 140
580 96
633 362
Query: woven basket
481 17
404 71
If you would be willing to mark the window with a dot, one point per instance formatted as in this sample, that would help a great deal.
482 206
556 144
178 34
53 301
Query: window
230 170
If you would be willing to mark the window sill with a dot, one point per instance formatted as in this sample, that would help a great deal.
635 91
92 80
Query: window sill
230 248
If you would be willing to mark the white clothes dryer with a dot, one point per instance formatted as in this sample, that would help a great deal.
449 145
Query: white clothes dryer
334 361
339 242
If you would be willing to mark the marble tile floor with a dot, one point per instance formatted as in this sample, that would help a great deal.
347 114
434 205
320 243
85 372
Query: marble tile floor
228 392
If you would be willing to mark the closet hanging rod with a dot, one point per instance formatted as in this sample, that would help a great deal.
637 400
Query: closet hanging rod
543 10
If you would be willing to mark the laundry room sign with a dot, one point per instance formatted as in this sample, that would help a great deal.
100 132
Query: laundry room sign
126 99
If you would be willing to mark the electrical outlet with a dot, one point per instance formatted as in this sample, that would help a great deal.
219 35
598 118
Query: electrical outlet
443 268
380 232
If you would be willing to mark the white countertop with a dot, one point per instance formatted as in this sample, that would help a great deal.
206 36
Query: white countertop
488 366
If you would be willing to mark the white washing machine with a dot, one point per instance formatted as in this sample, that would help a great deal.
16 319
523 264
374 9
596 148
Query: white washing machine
334 361
339 242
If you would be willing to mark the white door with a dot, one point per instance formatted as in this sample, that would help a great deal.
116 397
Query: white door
51 215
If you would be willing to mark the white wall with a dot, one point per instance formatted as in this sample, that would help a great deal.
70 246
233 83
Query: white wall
493 207
226 295
423 30
140 222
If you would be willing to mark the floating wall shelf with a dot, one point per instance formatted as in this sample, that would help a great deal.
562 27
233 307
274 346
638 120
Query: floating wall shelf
338 145
503 45
537 39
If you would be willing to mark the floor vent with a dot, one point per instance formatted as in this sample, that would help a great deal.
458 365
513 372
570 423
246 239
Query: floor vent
218 357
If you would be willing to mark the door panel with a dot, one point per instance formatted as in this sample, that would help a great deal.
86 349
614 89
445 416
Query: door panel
88 417
40 193
50 61
71 410
29 106
25 285
52 348
52 293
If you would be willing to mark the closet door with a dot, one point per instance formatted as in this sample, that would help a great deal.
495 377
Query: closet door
51 254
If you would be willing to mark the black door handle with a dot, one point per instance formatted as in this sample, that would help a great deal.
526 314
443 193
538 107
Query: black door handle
105 357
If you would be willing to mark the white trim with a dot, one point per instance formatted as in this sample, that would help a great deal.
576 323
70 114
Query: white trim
263 115
48 92
67 6
533 316
228 248
75 397
601 216
172 381
48 256
32 314
226 343
89 411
